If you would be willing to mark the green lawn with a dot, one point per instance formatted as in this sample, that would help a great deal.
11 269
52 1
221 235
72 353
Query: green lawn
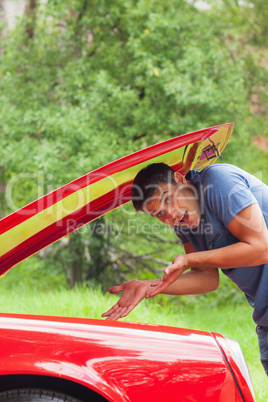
231 321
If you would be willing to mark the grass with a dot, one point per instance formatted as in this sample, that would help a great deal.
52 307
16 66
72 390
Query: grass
231 321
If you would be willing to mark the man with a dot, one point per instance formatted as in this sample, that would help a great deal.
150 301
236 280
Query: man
221 216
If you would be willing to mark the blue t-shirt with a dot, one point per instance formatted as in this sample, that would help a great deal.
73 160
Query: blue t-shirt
225 190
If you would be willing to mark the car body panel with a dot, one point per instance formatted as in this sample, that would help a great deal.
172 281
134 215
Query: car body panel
242 384
120 361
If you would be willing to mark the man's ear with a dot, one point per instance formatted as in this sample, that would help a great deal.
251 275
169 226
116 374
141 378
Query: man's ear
179 178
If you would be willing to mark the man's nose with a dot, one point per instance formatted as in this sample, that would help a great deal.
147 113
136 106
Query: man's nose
173 213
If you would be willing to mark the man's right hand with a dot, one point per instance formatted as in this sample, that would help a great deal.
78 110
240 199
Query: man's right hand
133 292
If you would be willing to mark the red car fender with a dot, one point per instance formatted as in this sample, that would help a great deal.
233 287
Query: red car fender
120 361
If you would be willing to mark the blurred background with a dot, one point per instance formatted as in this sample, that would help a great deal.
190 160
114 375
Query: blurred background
83 83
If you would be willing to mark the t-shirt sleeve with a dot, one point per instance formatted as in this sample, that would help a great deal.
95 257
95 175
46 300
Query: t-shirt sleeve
226 192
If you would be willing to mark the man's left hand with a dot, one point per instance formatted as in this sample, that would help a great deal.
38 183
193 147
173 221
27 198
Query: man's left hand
172 273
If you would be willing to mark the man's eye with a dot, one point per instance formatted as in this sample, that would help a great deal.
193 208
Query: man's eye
168 199
159 214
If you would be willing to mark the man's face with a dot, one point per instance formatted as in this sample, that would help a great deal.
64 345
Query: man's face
175 204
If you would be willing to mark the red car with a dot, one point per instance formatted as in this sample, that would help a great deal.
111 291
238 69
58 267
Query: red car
70 359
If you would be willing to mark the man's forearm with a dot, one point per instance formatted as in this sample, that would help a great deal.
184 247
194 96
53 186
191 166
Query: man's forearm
195 281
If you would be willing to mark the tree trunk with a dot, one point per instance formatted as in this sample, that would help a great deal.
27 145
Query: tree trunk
76 250
31 14
3 17
2 9
75 274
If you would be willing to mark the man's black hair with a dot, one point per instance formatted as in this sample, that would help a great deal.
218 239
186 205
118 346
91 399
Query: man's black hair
148 180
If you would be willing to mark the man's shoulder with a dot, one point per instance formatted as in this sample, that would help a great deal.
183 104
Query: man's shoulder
220 169
216 182
222 173
214 173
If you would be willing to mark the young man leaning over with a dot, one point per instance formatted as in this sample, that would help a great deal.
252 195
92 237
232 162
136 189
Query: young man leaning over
221 216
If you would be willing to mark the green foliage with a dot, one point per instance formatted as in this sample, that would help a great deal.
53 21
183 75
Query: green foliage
35 275
248 19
